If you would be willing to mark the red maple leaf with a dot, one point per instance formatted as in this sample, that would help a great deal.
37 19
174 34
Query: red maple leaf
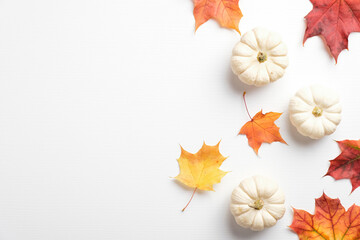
334 20
347 164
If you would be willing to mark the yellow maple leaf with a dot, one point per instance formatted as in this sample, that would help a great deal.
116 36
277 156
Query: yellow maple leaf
201 170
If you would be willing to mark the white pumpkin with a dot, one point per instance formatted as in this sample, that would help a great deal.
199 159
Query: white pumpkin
315 111
257 203
259 58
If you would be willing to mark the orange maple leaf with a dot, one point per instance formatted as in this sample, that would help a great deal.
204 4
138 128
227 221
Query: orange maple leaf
261 129
201 170
334 20
330 222
226 12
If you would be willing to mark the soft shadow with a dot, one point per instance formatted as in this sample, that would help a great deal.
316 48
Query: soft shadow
243 233
295 135
237 85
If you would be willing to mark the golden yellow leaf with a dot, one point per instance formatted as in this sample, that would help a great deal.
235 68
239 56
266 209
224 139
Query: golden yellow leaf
201 170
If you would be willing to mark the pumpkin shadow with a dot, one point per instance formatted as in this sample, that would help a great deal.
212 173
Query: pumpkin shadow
243 233
237 85
295 135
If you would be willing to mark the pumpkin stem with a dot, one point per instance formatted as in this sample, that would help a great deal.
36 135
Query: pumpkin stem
247 110
317 111
261 57
192 196
258 204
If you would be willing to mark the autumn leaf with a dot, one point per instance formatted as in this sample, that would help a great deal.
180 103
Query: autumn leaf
330 222
261 129
334 20
226 12
347 164
201 170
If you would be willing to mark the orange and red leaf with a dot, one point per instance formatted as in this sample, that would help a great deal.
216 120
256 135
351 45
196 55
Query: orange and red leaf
330 221
226 12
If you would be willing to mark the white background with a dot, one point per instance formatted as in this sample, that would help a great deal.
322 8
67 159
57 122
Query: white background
97 95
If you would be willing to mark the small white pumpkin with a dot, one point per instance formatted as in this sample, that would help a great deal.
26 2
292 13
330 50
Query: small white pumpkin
315 111
257 203
259 58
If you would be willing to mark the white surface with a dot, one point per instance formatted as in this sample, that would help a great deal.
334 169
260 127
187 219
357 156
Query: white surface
96 96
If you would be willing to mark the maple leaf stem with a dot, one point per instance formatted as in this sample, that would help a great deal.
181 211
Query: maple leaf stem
192 196
247 110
